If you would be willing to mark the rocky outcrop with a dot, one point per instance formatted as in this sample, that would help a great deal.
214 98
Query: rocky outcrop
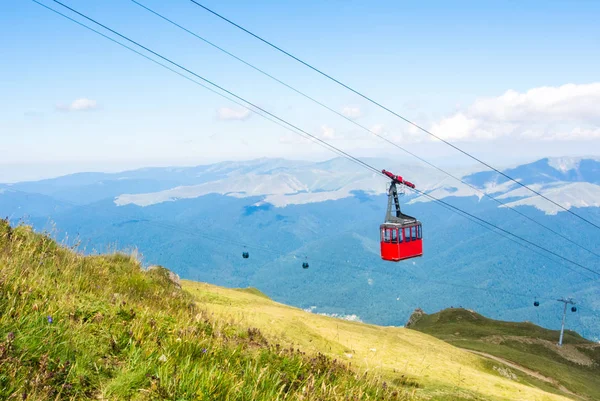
416 316
172 276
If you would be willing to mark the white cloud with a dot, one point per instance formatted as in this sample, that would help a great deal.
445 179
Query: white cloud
81 104
378 129
229 114
327 132
351 112
567 112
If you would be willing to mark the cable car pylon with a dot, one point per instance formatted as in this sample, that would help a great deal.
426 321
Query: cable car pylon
562 327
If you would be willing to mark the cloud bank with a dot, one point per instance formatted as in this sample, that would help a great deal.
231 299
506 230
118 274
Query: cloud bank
567 112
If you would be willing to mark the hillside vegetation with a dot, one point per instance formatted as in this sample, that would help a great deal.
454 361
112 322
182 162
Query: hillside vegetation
574 367
101 327
434 369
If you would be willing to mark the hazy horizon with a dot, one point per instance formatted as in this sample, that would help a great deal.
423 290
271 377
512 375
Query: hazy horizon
14 173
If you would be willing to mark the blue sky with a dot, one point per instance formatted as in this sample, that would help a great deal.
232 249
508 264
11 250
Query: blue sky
72 100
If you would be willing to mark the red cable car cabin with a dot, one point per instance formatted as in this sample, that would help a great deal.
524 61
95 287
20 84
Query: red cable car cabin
399 242
401 235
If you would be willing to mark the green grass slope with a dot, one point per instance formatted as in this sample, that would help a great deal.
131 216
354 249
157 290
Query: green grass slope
433 369
574 367
254 291
101 327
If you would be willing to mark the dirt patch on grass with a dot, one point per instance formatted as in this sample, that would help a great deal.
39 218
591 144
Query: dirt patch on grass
529 372
588 346
567 351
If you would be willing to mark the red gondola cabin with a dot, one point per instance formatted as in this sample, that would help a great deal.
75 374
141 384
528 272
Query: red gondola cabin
399 242
401 235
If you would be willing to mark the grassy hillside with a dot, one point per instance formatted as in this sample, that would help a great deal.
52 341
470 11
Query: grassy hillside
432 368
100 327
574 366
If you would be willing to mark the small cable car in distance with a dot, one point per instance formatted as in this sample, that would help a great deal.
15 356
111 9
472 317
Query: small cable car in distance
536 303
401 235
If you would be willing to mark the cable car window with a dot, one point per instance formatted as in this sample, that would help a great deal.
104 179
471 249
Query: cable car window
400 236
386 238
382 234
413 232
394 236
419 233
407 234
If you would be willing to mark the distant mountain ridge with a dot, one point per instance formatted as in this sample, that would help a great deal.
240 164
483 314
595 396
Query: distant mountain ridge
544 171
571 181
574 181
280 182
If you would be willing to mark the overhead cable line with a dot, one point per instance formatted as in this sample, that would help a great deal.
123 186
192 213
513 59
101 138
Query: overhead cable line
363 127
293 128
371 100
